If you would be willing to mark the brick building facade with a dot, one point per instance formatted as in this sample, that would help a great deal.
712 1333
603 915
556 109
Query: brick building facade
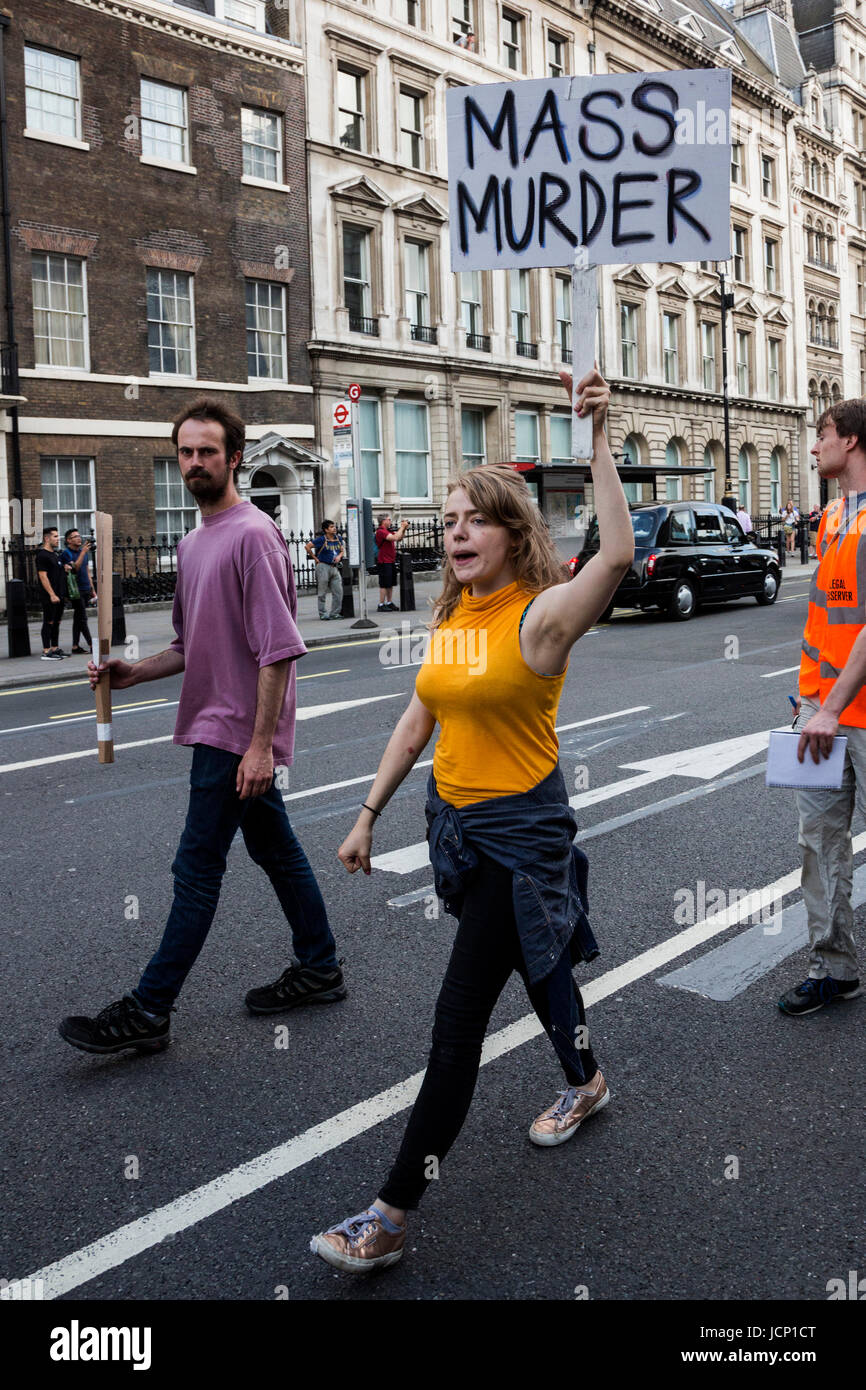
160 249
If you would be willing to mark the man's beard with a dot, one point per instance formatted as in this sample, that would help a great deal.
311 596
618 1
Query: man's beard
209 489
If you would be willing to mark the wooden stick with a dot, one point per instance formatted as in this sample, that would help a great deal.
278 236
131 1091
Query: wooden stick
104 550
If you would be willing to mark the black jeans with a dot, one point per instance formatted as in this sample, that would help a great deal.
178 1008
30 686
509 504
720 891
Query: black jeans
486 950
51 615
79 621
215 812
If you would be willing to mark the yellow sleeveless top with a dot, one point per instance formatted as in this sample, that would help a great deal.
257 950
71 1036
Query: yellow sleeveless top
496 715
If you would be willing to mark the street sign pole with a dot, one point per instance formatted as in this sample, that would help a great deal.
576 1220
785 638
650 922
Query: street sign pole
363 621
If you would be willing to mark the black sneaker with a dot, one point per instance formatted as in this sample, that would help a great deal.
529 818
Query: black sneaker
121 1025
814 994
297 985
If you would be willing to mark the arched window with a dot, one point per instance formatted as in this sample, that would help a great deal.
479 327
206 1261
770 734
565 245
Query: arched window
673 459
832 327
822 322
837 392
812 321
744 479
776 480
709 476
810 239
814 111
831 248
813 398
814 170
631 455
825 395
825 179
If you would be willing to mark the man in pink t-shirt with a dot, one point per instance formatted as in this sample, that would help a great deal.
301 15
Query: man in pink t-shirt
237 642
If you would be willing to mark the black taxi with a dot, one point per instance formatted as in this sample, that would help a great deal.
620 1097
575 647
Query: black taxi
688 554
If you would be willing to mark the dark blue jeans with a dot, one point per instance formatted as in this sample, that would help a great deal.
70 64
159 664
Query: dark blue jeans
215 812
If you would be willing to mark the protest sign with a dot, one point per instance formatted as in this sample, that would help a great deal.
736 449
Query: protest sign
634 167
585 171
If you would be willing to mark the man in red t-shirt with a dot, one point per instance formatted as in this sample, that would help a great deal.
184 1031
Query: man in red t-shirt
387 540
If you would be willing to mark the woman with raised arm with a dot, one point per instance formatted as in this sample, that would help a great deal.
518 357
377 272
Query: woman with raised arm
500 827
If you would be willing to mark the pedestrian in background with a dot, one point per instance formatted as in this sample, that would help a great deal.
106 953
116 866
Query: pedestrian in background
744 519
237 643
500 828
328 552
77 556
832 700
388 537
51 572
790 522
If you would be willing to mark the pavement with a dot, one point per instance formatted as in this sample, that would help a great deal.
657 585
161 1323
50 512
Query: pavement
151 626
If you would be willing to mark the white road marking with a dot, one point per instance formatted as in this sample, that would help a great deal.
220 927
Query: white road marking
765 675
133 1239
309 712
410 858
707 763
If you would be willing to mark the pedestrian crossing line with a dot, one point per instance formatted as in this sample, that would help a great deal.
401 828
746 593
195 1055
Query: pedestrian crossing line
118 1246
765 675
304 712
135 704
428 762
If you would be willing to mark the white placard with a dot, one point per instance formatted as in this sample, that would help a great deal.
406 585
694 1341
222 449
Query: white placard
633 166
584 317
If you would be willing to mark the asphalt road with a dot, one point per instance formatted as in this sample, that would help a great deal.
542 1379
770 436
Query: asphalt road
730 1162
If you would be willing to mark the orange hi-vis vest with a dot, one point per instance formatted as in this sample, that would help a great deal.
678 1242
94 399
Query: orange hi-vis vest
837 607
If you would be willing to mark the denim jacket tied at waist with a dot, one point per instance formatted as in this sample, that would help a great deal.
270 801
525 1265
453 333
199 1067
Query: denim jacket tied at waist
532 834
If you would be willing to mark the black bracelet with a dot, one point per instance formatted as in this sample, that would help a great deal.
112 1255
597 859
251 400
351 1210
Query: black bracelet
370 809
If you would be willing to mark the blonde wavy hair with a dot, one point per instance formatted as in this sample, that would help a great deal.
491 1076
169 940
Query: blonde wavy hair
501 494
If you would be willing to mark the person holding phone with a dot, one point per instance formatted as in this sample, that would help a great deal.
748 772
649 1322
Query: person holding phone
77 556
500 828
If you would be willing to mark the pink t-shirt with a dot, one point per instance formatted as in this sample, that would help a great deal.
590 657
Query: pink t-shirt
234 611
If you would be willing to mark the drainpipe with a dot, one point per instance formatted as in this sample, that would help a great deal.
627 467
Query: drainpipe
12 374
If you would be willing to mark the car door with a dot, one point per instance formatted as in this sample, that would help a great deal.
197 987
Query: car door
713 554
746 564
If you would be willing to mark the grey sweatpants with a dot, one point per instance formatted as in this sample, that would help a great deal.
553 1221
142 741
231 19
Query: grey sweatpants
828 860
329 577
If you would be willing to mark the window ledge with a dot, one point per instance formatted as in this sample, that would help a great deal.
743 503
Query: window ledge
167 164
266 183
53 139
46 369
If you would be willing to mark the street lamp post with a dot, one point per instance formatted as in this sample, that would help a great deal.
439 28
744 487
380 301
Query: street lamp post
727 302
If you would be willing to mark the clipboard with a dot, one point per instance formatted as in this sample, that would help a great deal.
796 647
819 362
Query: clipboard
783 769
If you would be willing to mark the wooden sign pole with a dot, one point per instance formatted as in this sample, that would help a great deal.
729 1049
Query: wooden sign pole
104 551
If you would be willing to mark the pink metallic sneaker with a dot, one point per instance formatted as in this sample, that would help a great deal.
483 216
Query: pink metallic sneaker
362 1243
564 1118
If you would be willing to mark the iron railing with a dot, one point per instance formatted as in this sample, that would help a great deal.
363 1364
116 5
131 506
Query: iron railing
361 325
526 349
479 342
148 566
421 333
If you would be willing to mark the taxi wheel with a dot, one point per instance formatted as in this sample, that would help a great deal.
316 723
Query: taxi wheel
684 601
770 590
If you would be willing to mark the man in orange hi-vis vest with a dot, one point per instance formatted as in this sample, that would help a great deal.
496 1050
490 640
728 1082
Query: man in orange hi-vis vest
833 701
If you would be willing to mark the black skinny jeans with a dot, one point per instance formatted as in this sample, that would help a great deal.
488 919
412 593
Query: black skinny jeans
80 626
486 950
51 615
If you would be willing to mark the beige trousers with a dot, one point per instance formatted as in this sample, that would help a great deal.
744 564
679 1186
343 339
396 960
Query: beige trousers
828 860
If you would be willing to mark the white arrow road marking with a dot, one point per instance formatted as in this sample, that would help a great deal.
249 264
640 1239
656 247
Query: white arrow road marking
133 1239
308 712
707 762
